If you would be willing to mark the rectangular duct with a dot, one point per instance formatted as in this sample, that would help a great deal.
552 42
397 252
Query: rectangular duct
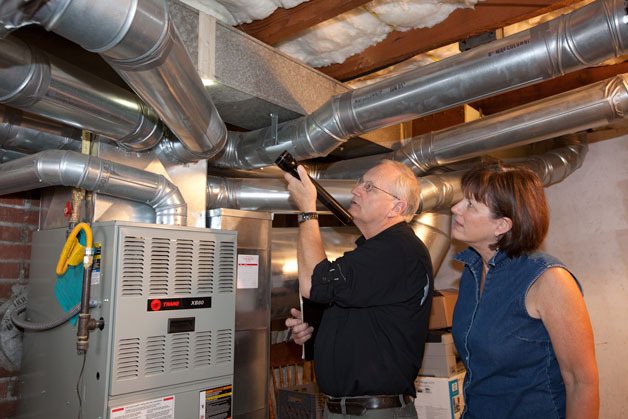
242 73
248 80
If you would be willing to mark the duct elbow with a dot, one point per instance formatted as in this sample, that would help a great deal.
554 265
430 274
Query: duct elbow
172 212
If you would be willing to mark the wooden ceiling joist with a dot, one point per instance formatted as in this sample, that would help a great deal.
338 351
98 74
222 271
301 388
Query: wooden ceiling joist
284 24
461 24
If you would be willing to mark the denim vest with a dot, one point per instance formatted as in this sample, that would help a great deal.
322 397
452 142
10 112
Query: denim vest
512 371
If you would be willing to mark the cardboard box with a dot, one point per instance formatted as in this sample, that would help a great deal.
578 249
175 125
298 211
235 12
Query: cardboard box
304 401
440 357
438 366
439 397
443 305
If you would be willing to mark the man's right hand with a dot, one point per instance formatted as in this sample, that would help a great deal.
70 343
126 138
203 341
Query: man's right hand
301 331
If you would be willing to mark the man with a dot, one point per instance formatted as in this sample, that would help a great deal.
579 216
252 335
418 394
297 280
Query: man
369 346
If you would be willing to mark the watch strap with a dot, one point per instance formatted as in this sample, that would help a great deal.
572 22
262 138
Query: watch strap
304 216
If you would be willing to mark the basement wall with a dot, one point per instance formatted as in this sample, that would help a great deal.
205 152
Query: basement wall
19 214
589 233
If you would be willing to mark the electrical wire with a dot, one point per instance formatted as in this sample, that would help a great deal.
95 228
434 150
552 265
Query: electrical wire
78 386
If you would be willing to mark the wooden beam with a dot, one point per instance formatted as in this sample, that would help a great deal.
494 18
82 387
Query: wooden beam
286 23
461 24
438 121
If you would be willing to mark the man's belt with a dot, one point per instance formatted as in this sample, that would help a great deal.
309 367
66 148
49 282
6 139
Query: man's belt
358 406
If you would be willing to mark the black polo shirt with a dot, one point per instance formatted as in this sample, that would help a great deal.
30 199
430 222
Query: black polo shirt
372 336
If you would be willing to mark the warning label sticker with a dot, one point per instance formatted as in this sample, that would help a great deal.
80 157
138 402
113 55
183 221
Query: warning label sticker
215 403
162 408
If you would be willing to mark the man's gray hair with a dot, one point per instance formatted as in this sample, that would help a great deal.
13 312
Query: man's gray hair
406 187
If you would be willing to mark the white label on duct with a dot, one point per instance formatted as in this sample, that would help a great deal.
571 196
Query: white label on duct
162 408
248 271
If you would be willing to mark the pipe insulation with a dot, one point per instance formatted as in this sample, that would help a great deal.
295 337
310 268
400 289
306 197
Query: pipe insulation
44 85
68 168
588 107
587 36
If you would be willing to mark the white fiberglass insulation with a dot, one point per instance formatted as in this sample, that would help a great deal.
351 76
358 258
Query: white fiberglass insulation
334 40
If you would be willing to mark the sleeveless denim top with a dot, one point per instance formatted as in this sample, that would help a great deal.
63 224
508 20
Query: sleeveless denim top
512 371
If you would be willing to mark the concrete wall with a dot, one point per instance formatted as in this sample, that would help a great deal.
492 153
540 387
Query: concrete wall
589 232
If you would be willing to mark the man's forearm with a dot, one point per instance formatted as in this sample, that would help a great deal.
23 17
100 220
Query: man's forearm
310 252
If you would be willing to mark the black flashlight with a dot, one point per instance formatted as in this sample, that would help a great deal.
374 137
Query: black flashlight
287 163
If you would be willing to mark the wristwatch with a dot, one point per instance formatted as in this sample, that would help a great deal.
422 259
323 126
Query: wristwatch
304 216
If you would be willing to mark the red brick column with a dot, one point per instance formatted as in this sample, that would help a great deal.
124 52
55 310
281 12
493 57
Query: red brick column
18 219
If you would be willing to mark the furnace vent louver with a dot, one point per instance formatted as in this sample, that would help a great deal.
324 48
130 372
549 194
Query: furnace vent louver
159 266
184 258
128 356
133 266
179 352
224 342
155 355
205 264
202 349
226 274
163 266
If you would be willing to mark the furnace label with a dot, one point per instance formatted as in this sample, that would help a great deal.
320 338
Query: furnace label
215 403
162 408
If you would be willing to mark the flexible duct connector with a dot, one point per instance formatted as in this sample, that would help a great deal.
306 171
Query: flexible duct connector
139 41
68 168
46 86
588 107
585 37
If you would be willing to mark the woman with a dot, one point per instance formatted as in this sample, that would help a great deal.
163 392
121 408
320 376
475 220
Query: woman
520 325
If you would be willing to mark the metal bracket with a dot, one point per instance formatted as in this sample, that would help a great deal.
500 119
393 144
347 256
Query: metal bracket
274 119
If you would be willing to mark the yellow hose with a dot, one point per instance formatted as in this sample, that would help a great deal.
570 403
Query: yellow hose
73 251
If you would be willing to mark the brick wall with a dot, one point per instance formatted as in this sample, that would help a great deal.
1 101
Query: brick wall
18 219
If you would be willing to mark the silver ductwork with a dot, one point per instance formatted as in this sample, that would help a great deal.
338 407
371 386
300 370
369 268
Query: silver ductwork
582 38
588 107
137 38
555 165
8 155
68 168
261 194
33 81
28 134
434 230
437 191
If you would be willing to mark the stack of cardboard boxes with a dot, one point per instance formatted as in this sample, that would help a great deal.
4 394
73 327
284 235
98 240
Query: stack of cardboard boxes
439 384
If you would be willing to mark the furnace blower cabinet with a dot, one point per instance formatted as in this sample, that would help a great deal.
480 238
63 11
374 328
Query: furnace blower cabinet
167 299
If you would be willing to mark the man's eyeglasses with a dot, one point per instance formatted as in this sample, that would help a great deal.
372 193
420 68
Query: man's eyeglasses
368 186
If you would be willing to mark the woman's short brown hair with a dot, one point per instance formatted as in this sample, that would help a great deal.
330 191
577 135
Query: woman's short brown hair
515 192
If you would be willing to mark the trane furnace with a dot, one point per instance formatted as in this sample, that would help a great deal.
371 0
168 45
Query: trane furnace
167 298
